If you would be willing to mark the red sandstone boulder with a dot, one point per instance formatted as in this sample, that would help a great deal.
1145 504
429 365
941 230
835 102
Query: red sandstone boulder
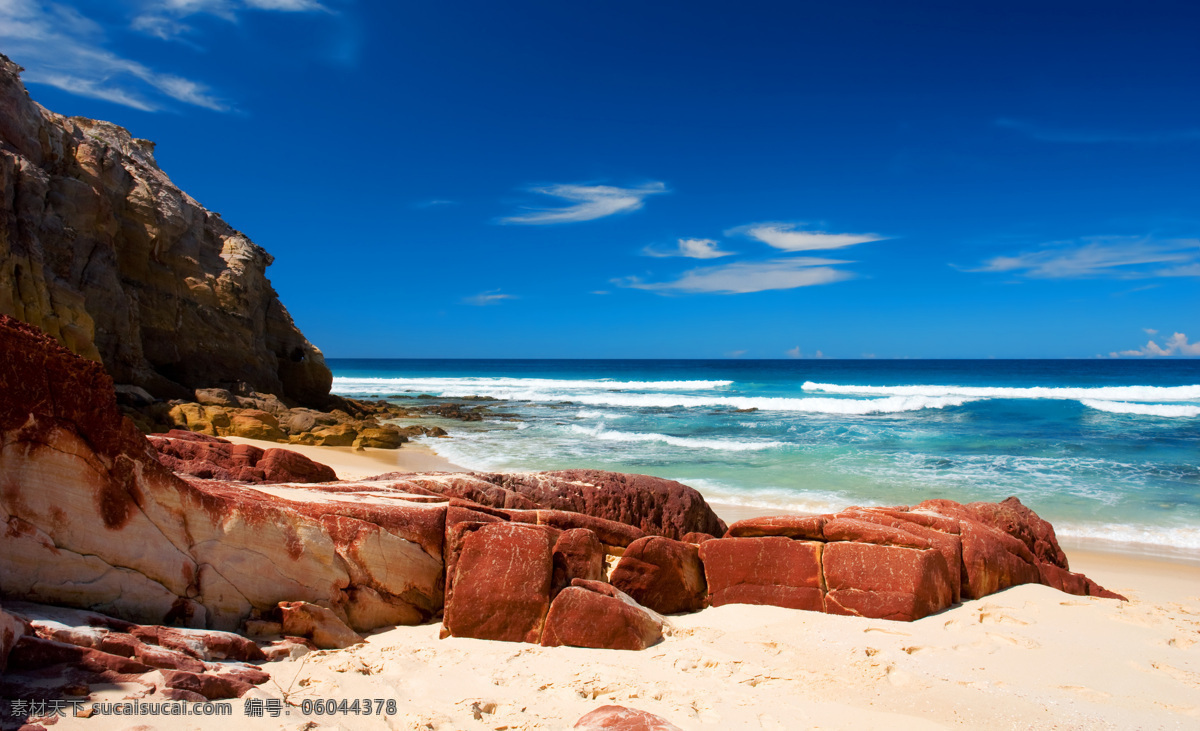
501 584
219 459
662 574
912 534
11 630
771 570
696 538
1072 583
885 582
1020 522
578 554
318 624
620 718
807 527
212 687
595 614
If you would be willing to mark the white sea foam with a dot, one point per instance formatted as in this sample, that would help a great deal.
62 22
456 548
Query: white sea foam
586 414
723 445
1107 393
852 407
1124 407
1176 537
520 389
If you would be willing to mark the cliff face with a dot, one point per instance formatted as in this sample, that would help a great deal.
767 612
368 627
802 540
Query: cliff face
99 249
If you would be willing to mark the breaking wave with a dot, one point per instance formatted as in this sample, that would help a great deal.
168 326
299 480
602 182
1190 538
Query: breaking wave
723 445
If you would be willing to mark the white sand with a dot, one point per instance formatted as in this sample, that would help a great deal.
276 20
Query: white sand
352 464
1028 657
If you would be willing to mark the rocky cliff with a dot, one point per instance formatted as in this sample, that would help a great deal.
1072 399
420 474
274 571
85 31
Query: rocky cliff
100 250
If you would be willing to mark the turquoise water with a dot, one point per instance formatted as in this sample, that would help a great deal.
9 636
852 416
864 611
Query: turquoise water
1104 449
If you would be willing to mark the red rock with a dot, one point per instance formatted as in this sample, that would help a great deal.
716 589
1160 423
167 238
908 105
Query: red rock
1021 523
212 687
578 554
11 629
662 574
33 653
948 544
993 560
807 527
502 582
319 624
201 644
772 570
597 615
696 538
161 657
654 505
1072 583
221 460
176 694
609 532
620 718
840 528
885 582
120 643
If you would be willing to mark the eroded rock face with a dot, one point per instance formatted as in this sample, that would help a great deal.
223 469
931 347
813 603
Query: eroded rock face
100 250
662 574
93 520
773 570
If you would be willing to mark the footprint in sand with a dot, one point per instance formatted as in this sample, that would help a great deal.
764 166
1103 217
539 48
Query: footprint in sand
1184 676
1023 642
887 631
1090 693
1181 643
914 649
995 617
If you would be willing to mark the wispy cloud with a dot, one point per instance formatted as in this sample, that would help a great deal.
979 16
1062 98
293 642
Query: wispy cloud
61 47
1091 137
797 353
691 249
1175 345
435 203
491 297
791 237
1117 257
590 202
746 277
165 18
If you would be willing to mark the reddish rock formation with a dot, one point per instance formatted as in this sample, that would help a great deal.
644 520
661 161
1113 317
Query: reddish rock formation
218 459
620 718
595 614
578 554
885 581
771 570
99 249
662 574
651 505
501 583
94 520
807 527
322 626
65 646
11 630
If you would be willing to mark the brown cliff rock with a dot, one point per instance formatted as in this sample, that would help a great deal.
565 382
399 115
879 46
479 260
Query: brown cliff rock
662 574
620 718
322 626
100 250
598 615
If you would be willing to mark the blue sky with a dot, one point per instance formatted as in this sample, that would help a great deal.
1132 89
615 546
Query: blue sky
671 179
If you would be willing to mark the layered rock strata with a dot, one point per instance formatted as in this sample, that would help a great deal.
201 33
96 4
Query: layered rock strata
99 249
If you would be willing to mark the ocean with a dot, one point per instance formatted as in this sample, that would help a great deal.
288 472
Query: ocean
1105 449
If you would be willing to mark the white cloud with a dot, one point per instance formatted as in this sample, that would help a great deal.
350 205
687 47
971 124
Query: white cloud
491 297
1118 257
745 277
691 249
788 237
1177 344
61 47
794 353
591 202
164 18
735 354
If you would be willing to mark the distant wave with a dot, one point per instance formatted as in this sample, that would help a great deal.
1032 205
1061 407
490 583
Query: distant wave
1107 393
520 389
1173 537
1124 407
723 445
852 407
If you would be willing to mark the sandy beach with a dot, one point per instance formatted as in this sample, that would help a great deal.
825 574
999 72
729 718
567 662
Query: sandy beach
1027 657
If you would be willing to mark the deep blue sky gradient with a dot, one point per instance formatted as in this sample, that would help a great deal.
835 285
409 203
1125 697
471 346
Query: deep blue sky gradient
375 148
